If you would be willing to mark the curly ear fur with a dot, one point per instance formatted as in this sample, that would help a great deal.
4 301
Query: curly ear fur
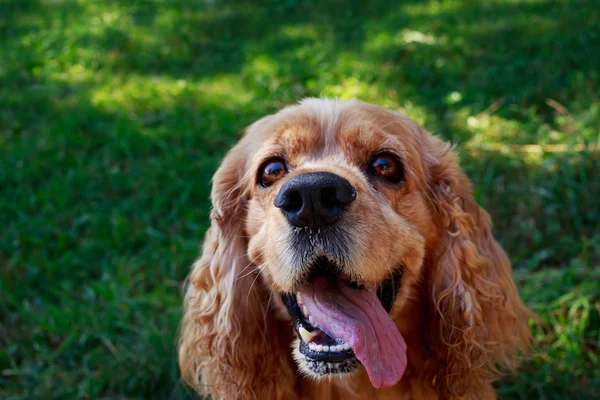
228 346
478 323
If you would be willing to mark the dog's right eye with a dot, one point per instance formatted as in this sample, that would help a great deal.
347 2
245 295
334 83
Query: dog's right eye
387 166
272 171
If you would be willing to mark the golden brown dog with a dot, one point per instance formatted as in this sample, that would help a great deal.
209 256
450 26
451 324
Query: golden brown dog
347 258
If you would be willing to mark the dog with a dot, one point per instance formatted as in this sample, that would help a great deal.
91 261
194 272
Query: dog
347 258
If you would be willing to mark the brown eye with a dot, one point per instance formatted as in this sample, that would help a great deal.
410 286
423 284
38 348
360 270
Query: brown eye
271 171
388 167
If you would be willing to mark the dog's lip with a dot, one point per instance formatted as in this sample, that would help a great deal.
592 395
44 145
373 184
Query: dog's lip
386 292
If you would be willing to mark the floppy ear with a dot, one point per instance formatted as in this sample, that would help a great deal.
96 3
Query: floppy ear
478 323
228 341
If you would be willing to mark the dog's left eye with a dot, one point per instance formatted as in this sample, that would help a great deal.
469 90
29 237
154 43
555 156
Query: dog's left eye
387 166
271 171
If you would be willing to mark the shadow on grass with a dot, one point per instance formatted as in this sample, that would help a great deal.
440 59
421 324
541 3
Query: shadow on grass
543 209
103 225
518 54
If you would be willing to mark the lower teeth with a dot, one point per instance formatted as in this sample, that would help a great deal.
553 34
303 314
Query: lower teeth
322 348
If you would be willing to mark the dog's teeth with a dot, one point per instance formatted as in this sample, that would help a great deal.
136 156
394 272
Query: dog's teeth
310 319
305 311
306 335
312 346
338 348
298 298
346 347
325 348
319 347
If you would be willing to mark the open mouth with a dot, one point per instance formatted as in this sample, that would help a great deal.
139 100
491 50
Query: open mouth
341 323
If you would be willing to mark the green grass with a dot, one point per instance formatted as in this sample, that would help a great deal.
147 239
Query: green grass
115 114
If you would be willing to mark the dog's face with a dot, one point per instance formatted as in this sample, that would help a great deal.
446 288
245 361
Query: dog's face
356 227
336 195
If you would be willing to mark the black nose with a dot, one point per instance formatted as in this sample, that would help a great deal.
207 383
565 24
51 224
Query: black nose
314 199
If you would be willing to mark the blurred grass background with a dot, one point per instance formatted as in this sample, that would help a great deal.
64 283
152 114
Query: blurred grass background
115 114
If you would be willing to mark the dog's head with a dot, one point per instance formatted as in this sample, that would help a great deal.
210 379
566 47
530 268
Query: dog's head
336 216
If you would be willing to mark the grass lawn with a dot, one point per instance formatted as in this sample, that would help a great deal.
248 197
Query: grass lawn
115 114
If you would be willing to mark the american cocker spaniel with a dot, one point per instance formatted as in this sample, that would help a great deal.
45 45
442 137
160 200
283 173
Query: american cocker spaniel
347 258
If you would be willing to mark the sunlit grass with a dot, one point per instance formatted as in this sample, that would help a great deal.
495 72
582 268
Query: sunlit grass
567 337
160 92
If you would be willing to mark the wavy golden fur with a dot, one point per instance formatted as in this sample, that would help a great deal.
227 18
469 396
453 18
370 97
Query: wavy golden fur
458 309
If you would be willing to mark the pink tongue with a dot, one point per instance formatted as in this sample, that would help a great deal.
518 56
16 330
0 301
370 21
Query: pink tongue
357 317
